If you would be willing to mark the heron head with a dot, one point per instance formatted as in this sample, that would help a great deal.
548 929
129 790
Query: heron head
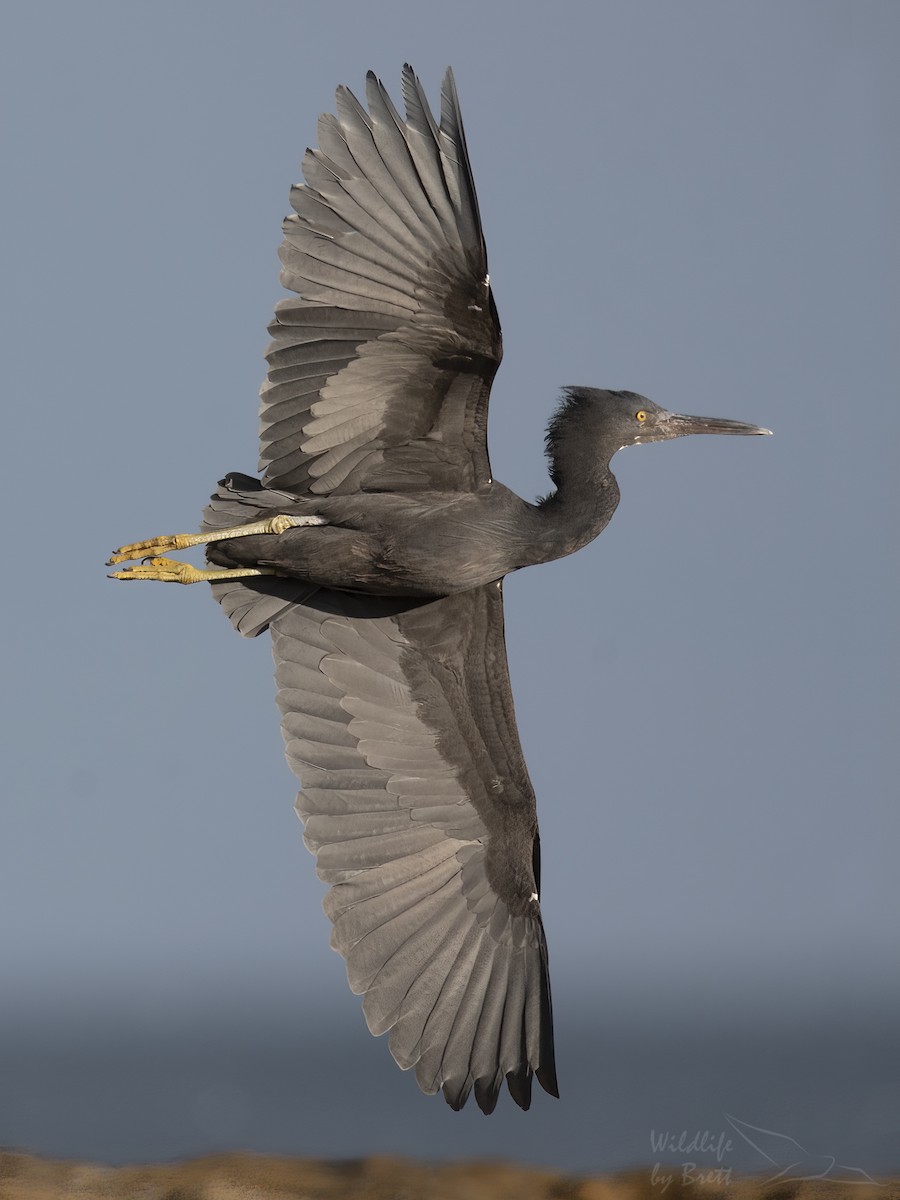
651 423
631 419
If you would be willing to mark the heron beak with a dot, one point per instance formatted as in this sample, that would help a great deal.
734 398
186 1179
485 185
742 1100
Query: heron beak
679 425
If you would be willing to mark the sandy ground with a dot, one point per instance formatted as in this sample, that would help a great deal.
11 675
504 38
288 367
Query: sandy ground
250 1177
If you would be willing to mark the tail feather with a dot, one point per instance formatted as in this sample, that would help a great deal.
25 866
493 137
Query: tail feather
250 604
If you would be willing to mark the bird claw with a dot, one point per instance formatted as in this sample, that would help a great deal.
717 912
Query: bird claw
165 570
147 548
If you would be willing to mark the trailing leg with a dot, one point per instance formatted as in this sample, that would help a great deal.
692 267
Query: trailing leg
170 570
179 541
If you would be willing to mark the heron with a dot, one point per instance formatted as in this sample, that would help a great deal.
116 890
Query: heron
374 548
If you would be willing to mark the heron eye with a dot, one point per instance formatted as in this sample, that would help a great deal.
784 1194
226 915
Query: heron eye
640 416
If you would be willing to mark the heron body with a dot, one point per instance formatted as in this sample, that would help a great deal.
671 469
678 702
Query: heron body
374 550
433 544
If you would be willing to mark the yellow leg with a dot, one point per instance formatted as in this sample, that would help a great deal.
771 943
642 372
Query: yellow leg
178 541
170 570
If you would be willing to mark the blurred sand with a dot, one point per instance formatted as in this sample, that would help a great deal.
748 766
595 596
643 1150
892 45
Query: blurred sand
251 1177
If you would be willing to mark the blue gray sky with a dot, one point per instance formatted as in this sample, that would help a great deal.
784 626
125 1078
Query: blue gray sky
696 201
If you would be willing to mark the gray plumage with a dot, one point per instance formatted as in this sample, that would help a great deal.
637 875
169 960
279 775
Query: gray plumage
386 614
397 715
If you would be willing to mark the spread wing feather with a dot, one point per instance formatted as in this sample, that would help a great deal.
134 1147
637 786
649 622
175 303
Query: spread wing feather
398 716
433 896
379 373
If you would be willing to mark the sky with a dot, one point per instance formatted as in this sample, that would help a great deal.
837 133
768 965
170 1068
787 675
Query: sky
695 201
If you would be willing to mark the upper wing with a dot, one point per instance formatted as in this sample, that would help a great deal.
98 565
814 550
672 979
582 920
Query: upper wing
379 374
398 719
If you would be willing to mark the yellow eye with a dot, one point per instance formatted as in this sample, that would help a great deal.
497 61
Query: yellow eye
640 416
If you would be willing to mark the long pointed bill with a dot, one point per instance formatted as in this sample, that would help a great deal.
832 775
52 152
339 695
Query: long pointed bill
678 425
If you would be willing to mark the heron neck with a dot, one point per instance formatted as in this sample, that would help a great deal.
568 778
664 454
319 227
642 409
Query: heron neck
581 507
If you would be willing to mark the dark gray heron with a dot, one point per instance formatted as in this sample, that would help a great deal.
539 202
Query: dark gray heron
374 550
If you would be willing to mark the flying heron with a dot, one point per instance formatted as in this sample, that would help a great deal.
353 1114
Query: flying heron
374 550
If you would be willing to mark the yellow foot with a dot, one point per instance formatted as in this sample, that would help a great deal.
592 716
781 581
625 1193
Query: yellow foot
170 570
157 545
179 541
